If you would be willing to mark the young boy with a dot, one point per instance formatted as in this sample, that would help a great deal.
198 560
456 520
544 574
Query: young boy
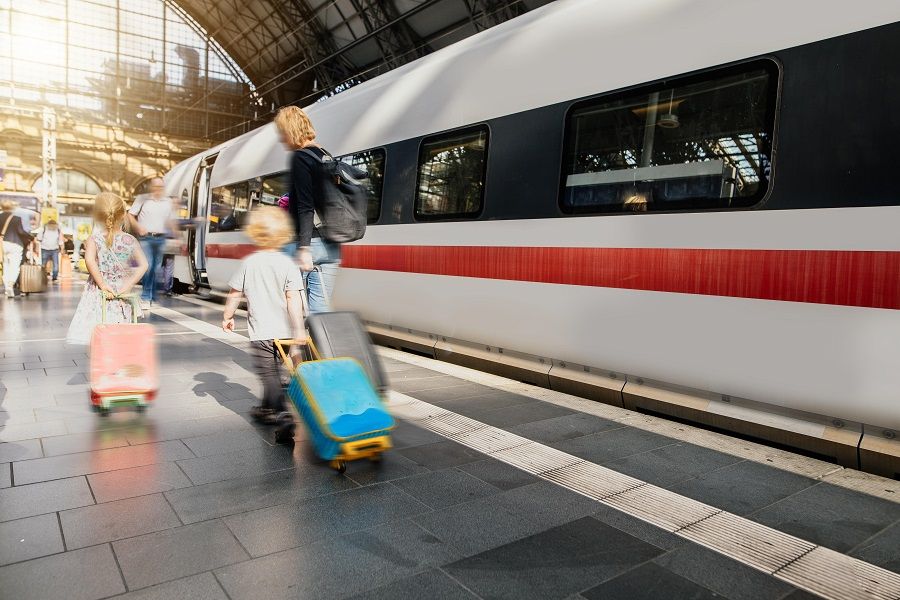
271 282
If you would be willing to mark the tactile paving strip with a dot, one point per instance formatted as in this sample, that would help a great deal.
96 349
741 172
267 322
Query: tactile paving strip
821 571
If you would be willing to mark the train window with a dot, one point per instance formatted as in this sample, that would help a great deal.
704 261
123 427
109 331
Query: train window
452 170
371 161
273 188
230 206
698 143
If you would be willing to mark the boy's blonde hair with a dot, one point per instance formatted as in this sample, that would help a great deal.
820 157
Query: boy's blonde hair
109 209
295 125
8 204
270 227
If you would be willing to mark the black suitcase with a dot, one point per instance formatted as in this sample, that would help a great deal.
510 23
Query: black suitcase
337 334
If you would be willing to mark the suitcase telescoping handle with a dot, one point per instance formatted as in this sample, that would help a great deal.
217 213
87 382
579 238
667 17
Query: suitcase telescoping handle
130 298
280 345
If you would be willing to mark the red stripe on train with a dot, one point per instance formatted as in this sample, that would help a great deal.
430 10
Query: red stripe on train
839 277
234 251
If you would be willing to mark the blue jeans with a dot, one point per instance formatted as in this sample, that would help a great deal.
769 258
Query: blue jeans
51 255
153 250
326 257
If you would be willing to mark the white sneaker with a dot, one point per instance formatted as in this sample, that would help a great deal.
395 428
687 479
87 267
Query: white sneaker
145 305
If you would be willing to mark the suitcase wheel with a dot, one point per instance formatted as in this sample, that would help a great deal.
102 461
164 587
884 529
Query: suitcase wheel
339 465
141 408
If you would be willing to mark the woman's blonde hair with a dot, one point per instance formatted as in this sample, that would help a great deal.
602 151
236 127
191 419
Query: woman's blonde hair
269 227
109 210
8 204
295 125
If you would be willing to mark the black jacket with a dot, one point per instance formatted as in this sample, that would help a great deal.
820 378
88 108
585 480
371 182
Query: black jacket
15 233
305 193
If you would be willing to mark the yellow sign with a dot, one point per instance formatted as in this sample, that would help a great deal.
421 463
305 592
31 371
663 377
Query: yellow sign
83 232
49 213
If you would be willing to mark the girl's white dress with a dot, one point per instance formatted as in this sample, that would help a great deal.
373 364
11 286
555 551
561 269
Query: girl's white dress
114 264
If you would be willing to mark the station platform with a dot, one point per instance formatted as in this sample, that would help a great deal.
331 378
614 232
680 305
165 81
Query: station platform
494 489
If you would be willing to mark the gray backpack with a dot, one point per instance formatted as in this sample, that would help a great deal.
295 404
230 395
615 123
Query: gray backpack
344 199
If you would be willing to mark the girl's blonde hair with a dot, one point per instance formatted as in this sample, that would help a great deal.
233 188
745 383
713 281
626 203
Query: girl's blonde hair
295 125
109 209
270 227
8 204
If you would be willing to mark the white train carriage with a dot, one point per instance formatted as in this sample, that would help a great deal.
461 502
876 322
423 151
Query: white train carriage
678 206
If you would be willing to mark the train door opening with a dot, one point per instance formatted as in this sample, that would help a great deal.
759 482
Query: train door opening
199 209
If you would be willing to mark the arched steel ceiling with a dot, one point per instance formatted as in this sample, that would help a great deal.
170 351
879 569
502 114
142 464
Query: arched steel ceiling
296 50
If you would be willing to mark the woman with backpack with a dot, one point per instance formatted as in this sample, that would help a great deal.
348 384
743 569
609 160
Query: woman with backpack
318 257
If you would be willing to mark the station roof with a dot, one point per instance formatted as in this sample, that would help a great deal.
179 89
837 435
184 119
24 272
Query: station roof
297 50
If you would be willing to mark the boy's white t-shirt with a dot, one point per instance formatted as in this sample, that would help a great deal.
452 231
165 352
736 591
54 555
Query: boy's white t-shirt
264 277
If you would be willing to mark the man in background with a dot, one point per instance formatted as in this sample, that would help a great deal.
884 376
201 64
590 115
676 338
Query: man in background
150 218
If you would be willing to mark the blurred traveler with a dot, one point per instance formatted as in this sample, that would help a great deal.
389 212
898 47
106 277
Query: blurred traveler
51 240
306 202
150 218
68 245
109 254
15 240
271 283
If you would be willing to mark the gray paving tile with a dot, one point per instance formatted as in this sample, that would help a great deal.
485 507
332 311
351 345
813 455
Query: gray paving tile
831 516
174 553
518 414
441 489
393 466
87 574
722 575
499 474
613 444
243 463
61 413
39 498
490 399
271 530
5 475
649 581
406 383
234 496
31 431
74 443
554 563
882 549
406 435
338 567
224 442
48 364
446 394
117 520
196 587
137 481
29 538
441 455
194 427
430 584
743 487
69 465
673 464
562 428
489 522
639 529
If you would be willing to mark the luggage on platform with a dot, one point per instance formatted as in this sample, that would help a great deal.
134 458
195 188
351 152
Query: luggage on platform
124 364
343 334
32 279
342 411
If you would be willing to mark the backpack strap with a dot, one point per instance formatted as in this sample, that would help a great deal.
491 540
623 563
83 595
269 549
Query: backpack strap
320 159
6 225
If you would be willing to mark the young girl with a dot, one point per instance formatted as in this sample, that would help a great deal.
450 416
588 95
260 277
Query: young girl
115 262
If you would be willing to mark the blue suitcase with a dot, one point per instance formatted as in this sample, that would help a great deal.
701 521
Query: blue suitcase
345 416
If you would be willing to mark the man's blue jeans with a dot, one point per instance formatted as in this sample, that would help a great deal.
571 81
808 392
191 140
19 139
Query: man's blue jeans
153 250
51 255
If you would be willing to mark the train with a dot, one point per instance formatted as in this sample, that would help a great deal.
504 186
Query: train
680 207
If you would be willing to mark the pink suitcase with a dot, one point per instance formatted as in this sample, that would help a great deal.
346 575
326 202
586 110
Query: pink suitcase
124 365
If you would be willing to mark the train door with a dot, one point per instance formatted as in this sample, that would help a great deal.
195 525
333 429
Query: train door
199 208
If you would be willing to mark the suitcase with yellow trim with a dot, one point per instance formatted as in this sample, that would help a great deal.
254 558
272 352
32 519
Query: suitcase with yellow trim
342 411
